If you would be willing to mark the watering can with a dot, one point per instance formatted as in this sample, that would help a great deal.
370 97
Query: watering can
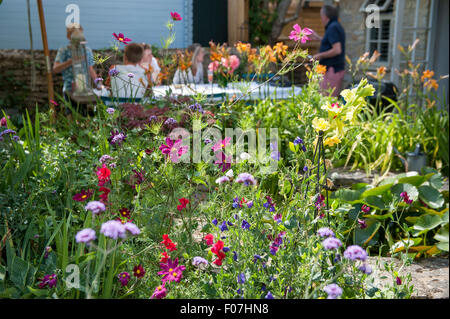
414 161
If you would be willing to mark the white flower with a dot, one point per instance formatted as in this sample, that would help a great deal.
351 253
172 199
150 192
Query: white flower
245 156
229 173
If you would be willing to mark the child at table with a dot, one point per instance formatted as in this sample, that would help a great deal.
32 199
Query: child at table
129 80
195 73
150 63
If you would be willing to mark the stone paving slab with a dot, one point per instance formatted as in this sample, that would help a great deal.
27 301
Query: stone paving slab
430 276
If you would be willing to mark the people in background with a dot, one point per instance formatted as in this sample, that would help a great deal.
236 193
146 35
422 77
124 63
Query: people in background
194 74
63 62
150 63
332 50
129 80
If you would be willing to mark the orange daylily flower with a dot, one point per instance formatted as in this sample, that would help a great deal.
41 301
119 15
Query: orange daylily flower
427 74
321 69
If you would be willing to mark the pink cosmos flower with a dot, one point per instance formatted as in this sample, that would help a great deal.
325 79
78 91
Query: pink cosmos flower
223 161
171 271
300 35
174 149
121 38
160 292
175 16
221 144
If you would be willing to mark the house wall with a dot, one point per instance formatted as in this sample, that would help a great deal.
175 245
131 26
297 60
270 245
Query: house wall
140 20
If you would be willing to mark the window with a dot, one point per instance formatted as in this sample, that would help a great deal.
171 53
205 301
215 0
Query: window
380 38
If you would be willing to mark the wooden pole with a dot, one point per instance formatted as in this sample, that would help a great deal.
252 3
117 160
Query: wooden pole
51 95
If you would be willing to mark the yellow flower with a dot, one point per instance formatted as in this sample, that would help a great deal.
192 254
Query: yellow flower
331 141
348 95
243 47
321 69
333 109
320 124
427 74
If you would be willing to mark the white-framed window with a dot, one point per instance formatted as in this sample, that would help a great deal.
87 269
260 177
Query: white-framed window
380 39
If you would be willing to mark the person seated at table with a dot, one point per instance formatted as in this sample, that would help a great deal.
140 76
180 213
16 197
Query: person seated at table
150 63
195 73
63 63
129 80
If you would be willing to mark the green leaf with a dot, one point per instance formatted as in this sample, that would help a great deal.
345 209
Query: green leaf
411 190
293 148
38 292
347 195
367 236
379 217
416 180
443 246
442 235
379 190
426 223
431 196
18 272
436 181
375 201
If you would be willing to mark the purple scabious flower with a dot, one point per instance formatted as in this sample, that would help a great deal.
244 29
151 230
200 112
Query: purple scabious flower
333 291
170 121
275 154
152 118
85 236
113 72
223 227
79 152
116 137
7 131
221 180
355 252
124 277
113 229
331 243
245 224
95 207
367 269
269 296
16 138
196 107
110 110
132 229
199 262
105 158
130 75
246 178
325 232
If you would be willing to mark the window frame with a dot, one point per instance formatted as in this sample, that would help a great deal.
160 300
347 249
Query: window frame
383 16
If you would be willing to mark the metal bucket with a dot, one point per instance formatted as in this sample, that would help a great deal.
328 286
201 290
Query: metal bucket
416 161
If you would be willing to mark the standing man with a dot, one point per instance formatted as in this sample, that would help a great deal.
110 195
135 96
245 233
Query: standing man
332 50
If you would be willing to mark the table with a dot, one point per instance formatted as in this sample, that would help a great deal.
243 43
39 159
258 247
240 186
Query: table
236 90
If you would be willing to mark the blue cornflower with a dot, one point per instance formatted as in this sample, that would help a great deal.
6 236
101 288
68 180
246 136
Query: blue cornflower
269 296
235 256
223 227
226 249
236 203
245 224
241 278
214 221
298 140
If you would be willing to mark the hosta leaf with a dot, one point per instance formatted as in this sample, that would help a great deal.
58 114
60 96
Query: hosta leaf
411 190
376 190
431 196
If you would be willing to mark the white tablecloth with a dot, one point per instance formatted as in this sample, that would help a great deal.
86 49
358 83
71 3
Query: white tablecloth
236 90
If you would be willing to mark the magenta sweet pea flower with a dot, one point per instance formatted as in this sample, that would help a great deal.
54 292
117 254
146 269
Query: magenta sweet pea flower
176 16
300 35
174 149
121 38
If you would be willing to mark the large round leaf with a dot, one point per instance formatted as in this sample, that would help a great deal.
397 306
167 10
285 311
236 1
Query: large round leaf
376 190
431 196
426 223
367 236
411 190
375 201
